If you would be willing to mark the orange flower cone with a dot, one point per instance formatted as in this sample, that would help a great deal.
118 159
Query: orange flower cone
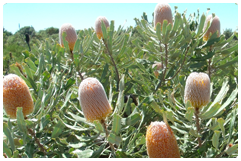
197 89
98 26
16 94
93 100
215 26
162 12
160 141
71 35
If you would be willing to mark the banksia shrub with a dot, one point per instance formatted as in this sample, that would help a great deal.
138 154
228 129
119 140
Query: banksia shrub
162 12
215 26
197 89
93 100
16 94
160 141
71 35
98 26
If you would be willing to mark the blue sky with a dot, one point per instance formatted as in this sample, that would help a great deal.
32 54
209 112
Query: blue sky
83 15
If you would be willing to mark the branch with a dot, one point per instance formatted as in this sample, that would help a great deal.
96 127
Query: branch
107 134
198 126
113 62
165 70
180 66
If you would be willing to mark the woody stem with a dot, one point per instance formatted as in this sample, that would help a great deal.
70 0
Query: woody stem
198 126
107 134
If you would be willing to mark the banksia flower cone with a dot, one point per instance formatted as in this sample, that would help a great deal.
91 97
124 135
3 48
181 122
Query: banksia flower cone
16 94
93 100
162 12
71 35
197 89
160 141
98 26
215 26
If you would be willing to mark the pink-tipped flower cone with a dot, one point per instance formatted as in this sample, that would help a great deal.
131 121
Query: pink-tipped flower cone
197 89
98 30
162 12
71 35
93 100
160 141
16 94
215 26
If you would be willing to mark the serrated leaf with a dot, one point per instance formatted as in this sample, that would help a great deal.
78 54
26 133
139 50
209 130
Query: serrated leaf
116 124
233 149
29 149
114 139
189 113
104 31
232 121
69 83
20 121
215 139
201 24
6 150
211 111
8 134
44 121
221 125
98 126
229 100
158 31
170 116
58 128
97 153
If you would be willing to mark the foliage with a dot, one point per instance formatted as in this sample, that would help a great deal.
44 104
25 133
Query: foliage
57 127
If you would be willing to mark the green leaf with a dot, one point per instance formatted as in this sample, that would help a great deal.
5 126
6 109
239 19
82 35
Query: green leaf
177 24
211 111
67 97
114 139
104 31
97 153
232 121
116 124
69 83
205 57
221 125
29 149
215 139
229 50
131 120
16 154
8 134
98 126
140 140
164 28
189 113
83 154
158 31
31 64
6 150
121 154
229 100
44 121
201 24
76 45
233 149
170 116
58 128
65 42
20 121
